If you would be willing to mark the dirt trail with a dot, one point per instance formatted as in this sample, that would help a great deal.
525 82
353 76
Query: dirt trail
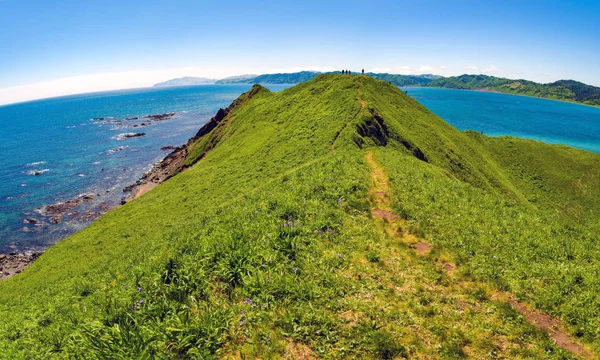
393 225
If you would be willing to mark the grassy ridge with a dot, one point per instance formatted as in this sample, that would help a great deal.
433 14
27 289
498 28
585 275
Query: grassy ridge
266 246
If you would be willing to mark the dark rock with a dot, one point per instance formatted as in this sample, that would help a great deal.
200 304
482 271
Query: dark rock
59 208
131 118
56 219
168 147
160 117
128 136
38 172
30 221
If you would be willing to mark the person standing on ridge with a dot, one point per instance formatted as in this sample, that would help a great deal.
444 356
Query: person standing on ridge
363 71
343 72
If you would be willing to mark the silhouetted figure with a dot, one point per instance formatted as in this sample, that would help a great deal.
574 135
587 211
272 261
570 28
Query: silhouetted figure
363 71
349 72
343 72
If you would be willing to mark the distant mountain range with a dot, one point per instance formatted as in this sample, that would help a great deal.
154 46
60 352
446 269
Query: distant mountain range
566 90
186 81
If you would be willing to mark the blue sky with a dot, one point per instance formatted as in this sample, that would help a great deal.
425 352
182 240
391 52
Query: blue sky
58 47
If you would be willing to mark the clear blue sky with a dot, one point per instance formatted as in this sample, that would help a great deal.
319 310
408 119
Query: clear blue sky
43 41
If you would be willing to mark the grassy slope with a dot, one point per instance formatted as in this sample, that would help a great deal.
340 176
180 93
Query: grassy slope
266 246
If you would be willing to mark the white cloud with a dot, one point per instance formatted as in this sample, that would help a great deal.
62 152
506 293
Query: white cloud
426 69
490 69
471 67
402 70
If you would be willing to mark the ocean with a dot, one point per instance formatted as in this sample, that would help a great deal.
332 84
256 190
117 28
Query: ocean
80 151
78 147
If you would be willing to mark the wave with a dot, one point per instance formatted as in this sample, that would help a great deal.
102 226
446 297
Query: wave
36 163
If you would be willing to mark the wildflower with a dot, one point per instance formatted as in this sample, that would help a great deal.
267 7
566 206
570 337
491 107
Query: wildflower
242 323
134 307
295 270
248 301
141 302
139 288
339 256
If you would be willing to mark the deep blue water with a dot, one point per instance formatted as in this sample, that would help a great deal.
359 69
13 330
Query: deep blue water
61 136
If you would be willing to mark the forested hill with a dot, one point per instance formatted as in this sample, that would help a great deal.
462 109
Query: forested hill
567 90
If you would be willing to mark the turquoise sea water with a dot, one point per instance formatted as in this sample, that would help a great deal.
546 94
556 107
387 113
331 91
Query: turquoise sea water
494 114
76 152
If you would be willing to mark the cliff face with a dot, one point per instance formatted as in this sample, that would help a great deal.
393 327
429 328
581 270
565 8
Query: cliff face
188 154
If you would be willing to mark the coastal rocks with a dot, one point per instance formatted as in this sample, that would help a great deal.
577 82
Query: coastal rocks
14 263
160 117
168 147
65 212
117 149
37 172
56 219
128 136
56 211
58 208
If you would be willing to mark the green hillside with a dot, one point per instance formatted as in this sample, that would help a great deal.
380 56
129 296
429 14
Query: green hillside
338 218
567 90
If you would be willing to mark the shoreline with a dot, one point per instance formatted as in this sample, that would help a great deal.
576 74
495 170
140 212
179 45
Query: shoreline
15 262
85 207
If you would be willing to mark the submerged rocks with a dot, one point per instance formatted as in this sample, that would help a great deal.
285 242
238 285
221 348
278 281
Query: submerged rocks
58 208
160 117
37 172
128 136
117 149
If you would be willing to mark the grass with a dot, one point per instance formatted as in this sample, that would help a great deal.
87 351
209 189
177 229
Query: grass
266 247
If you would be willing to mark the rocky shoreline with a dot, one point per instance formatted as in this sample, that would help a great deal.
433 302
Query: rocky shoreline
13 263
173 163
